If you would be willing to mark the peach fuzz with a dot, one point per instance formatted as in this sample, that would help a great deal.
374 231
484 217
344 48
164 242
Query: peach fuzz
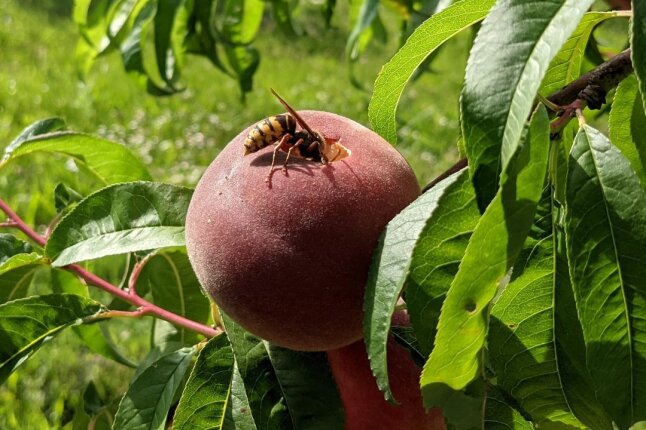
288 259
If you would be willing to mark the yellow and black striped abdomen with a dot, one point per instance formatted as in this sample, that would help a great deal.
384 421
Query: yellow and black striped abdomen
267 131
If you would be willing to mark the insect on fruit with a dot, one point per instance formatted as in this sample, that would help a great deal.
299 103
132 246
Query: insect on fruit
280 130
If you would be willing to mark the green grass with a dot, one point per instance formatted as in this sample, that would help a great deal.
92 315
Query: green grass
177 137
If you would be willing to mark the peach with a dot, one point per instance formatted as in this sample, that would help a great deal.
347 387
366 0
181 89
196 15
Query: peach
364 405
288 259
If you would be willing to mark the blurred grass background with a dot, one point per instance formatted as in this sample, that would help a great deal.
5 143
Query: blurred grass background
177 137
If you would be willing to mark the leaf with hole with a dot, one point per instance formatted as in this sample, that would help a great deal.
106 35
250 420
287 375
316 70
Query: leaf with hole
391 265
491 252
437 255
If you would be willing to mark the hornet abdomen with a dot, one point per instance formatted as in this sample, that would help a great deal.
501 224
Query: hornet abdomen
268 131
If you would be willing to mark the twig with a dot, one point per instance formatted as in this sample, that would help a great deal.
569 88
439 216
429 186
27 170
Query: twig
591 88
136 271
451 170
144 306
588 90
20 224
8 224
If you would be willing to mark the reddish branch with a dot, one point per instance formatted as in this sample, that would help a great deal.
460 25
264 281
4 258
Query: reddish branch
144 307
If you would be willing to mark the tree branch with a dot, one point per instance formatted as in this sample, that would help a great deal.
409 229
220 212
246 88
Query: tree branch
594 85
144 306
588 90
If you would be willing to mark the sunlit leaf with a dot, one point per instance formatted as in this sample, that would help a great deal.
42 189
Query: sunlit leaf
206 395
606 243
522 341
149 397
437 255
427 38
25 324
118 219
566 66
503 74
492 250
44 126
109 161
391 265
627 124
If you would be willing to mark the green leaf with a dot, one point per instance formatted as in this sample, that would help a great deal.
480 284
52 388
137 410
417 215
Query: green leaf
285 389
110 162
25 324
638 44
118 219
505 68
169 30
149 397
16 274
492 250
367 14
206 395
134 56
499 415
307 388
391 265
566 66
238 415
282 12
522 341
169 277
44 126
394 75
10 245
94 336
606 243
627 124
238 23
65 197
244 61
437 255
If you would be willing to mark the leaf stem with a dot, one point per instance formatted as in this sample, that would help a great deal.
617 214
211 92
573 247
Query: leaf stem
144 306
